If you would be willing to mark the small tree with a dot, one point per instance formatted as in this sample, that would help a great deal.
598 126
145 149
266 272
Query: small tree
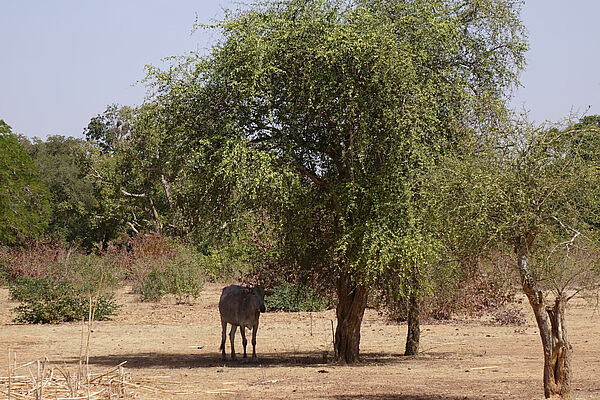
530 190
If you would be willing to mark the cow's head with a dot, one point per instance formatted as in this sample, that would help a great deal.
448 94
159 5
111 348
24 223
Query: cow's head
257 297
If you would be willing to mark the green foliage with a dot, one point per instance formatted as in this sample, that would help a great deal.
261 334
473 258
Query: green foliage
74 201
24 199
182 280
135 167
159 266
531 189
110 128
154 287
46 300
294 297
328 116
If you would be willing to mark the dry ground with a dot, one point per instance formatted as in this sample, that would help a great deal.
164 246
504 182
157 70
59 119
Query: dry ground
172 350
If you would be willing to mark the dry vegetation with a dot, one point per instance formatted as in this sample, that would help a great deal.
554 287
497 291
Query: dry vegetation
171 352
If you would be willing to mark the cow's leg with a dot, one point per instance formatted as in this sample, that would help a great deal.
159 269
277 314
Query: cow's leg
254 330
223 339
244 341
232 339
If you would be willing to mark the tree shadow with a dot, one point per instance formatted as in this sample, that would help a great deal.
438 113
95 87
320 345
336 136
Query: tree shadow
211 360
396 396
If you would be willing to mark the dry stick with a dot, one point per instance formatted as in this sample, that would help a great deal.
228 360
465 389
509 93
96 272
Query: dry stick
42 376
87 345
9 374
57 387
17 395
22 366
122 380
80 371
108 372
482 368
333 340
38 393
91 316
67 375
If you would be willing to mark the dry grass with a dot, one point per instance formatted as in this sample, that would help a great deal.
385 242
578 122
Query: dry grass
172 353
44 379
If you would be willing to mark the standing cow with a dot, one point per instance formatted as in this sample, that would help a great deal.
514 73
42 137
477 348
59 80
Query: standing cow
241 306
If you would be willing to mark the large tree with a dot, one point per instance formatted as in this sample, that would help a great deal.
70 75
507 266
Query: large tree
359 100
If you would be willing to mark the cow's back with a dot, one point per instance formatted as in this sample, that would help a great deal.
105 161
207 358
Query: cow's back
230 304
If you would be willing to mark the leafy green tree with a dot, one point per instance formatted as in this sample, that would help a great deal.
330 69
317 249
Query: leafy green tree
358 100
59 161
529 190
24 199
110 128
138 161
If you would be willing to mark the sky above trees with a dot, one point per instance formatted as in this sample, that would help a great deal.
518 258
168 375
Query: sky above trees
64 61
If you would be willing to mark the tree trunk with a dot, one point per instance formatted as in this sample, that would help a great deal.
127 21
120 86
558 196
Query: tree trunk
553 332
352 301
173 210
414 325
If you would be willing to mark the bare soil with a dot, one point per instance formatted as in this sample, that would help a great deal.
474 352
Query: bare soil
172 353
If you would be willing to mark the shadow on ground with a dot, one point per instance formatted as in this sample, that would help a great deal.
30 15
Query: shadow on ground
207 360
395 396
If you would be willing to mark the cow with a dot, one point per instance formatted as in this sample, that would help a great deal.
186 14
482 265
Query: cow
240 306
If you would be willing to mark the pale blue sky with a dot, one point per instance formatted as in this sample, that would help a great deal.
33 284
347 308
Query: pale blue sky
63 61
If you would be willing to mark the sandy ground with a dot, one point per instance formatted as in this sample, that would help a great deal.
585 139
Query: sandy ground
172 351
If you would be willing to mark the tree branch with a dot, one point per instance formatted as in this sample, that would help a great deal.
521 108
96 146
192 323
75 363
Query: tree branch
126 193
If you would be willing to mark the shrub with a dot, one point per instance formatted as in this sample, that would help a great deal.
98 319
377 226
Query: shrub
186 281
509 316
154 287
475 294
161 266
45 300
182 280
45 260
295 297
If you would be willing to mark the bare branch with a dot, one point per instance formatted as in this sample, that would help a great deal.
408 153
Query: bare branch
126 193
132 227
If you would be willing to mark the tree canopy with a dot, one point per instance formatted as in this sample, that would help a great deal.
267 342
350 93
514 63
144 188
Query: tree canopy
358 100
24 199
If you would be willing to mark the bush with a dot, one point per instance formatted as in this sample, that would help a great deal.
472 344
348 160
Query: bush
181 280
295 297
160 266
486 290
509 316
45 260
46 300
154 287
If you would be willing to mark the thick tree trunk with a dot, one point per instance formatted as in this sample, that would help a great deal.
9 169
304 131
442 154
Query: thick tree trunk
414 325
553 332
352 301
